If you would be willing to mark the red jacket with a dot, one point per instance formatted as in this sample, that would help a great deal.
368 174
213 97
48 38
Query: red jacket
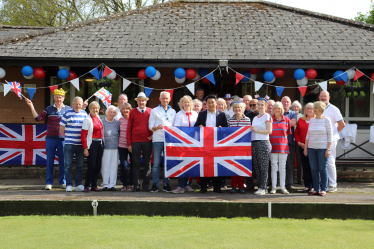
301 131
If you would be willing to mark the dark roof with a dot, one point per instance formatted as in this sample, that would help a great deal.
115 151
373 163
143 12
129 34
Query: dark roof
202 30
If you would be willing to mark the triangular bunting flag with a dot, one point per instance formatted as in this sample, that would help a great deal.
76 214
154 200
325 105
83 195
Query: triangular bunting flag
358 75
258 85
238 77
75 83
344 77
191 87
210 77
323 85
95 72
302 90
31 92
107 71
279 90
147 91
6 89
125 84
171 91
53 88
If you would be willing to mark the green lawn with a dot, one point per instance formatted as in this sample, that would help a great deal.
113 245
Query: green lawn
181 232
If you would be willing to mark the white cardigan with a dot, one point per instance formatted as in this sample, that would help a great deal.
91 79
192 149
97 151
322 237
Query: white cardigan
88 125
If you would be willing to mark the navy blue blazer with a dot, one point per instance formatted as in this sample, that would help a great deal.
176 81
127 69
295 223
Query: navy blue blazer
220 119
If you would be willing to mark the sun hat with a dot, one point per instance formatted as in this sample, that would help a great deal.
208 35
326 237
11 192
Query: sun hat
141 95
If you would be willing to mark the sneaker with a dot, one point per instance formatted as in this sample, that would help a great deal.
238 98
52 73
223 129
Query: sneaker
188 189
79 188
332 189
166 188
96 189
260 192
233 190
273 191
242 190
48 187
69 188
178 190
284 191
154 188
63 186
86 189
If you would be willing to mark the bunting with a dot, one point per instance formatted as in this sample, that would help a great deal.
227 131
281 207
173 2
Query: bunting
258 85
302 90
125 84
6 89
171 91
53 88
95 72
344 77
191 87
323 85
279 90
107 71
210 77
358 75
238 77
75 83
147 91
31 92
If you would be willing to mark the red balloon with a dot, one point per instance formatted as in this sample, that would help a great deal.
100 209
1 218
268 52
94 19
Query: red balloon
278 72
190 73
372 77
39 73
72 75
254 70
311 73
206 81
340 83
142 75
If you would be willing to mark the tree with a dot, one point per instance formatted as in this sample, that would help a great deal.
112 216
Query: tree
368 17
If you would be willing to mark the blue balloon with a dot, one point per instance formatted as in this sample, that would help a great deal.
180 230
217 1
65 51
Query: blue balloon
27 71
203 72
63 73
268 76
299 74
336 75
247 75
180 73
150 72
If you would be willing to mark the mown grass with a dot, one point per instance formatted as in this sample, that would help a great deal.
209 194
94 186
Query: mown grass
181 232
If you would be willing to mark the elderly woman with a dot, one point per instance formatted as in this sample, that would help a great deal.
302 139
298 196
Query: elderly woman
261 147
184 118
92 142
300 135
280 150
123 147
221 106
296 107
239 119
110 156
197 105
318 147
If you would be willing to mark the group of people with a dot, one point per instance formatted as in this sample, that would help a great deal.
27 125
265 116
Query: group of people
279 130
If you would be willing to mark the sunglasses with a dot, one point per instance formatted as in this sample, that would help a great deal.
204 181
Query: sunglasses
253 105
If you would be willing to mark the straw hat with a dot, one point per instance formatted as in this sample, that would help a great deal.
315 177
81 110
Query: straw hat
141 95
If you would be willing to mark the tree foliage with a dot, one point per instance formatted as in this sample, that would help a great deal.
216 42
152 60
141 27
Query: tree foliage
368 17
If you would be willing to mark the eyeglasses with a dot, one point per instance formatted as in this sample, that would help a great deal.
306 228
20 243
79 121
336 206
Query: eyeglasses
252 105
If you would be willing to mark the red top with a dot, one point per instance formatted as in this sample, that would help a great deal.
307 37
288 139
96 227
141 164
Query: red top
278 137
96 133
301 131
137 127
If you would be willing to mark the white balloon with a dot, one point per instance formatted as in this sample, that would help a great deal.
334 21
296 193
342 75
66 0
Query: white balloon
253 76
302 82
29 77
180 81
61 67
157 76
2 73
270 82
196 77
112 75
351 73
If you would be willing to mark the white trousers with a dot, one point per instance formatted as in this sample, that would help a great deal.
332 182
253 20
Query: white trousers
109 168
278 163
331 166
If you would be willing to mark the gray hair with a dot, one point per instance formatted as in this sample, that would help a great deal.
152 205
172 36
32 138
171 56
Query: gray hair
198 102
309 105
77 98
123 94
110 108
286 97
296 103
271 100
241 104
164 92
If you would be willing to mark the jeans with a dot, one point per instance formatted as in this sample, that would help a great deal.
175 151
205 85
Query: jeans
95 154
70 149
51 144
318 165
158 148
123 153
182 181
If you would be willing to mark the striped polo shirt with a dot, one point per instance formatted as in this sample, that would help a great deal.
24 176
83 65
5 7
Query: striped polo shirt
73 122
233 122
278 137
53 116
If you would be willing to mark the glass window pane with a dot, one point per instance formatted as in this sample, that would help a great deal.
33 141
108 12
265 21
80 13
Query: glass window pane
359 106
336 96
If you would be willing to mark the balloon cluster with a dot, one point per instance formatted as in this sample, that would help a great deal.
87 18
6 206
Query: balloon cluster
180 74
302 76
29 73
2 73
150 72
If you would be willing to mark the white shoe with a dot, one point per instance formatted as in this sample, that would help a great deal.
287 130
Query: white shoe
332 189
63 186
48 187
260 192
273 191
284 191
69 188
79 188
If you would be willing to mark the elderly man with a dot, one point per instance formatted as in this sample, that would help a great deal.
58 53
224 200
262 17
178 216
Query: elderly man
269 107
211 118
139 141
246 100
71 126
333 113
200 94
162 115
54 138
122 98
253 110
286 102
228 110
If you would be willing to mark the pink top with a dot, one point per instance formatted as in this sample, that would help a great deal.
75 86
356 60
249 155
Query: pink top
123 132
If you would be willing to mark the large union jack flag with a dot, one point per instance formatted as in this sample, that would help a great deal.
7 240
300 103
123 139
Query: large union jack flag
23 144
16 87
105 96
208 151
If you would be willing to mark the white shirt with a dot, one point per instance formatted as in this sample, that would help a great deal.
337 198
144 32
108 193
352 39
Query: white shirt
181 119
259 122
160 116
211 119
142 110
333 113
118 115
230 112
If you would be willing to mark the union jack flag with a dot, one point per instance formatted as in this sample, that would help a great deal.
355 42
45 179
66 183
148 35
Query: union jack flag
105 96
16 87
23 144
208 151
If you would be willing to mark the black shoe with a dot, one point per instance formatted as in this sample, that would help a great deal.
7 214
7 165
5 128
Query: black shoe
166 188
135 189
105 189
203 190
154 188
242 190
145 188
233 190
217 190
112 189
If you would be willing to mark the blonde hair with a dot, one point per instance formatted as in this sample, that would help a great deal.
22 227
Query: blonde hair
277 105
223 102
185 97
309 105
94 103
123 106
320 105
296 103
241 104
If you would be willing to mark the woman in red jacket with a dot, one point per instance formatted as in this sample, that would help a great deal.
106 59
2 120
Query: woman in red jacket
300 135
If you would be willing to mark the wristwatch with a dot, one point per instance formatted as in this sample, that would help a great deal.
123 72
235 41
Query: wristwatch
328 149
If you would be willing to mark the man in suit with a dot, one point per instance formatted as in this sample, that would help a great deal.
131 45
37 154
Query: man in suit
211 118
